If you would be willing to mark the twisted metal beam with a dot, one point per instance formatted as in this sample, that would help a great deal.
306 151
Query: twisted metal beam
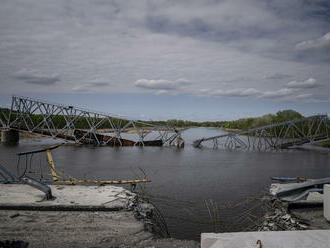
310 129
65 122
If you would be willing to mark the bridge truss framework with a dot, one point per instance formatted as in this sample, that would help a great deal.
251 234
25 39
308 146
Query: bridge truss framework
276 136
37 116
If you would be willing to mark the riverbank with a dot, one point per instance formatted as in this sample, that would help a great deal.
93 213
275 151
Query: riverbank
324 144
80 216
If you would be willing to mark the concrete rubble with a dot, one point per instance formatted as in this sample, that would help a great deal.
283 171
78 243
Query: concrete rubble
279 219
299 215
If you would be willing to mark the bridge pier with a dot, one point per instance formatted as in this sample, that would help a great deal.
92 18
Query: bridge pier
9 136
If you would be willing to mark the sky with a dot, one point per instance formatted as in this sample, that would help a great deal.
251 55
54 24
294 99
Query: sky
201 60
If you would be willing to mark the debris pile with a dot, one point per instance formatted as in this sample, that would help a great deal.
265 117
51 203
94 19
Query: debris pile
278 219
150 215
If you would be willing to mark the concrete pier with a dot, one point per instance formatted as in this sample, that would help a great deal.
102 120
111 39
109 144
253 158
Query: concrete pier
9 136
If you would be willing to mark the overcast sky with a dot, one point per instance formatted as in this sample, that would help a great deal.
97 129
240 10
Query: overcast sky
194 60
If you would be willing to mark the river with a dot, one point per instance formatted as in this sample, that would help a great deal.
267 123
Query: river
183 179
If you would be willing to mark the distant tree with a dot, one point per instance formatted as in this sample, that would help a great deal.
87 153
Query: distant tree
287 115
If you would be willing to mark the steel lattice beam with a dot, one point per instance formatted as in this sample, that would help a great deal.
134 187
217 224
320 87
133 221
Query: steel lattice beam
276 136
83 126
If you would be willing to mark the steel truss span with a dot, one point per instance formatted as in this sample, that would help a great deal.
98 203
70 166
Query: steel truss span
276 136
81 125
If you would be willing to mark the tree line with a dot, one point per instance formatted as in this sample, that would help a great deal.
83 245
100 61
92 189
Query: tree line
243 123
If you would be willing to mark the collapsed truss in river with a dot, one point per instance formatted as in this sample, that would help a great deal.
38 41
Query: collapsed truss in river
276 136
81 125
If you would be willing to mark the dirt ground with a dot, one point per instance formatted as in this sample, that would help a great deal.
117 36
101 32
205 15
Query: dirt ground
80 229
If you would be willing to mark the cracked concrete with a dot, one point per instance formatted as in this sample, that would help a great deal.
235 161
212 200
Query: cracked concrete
81 216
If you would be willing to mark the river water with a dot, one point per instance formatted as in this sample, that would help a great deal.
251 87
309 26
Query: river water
183 179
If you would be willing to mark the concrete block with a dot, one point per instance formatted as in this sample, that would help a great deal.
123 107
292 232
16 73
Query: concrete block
69 197
326 201
278 239
9 137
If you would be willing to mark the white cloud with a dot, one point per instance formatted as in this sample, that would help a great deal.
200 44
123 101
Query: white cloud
307 84
236 92
93 87
34 77
303 96
278 93
322 43
163 92
161 84
240 92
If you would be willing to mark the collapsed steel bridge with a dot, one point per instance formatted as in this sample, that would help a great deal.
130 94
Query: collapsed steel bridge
81 125
276 136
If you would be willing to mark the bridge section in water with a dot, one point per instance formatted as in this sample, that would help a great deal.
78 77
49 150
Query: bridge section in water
283 135
81 125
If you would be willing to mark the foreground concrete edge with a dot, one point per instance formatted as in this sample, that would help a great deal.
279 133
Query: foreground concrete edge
278 239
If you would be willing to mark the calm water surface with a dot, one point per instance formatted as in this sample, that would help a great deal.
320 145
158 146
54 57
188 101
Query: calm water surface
182 179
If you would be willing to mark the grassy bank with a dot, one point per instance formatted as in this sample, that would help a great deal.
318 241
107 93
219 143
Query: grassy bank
324 144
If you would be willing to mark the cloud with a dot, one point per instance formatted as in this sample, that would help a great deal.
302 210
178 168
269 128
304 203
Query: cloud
212 43
277 76
277 93
231 92
316 50
96 87
303 96
161 84
310 98
33 77
283 94
163 92
98 84
307 84
322 43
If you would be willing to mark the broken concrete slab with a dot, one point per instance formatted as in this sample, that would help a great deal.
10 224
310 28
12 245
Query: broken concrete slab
279 239
67 197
